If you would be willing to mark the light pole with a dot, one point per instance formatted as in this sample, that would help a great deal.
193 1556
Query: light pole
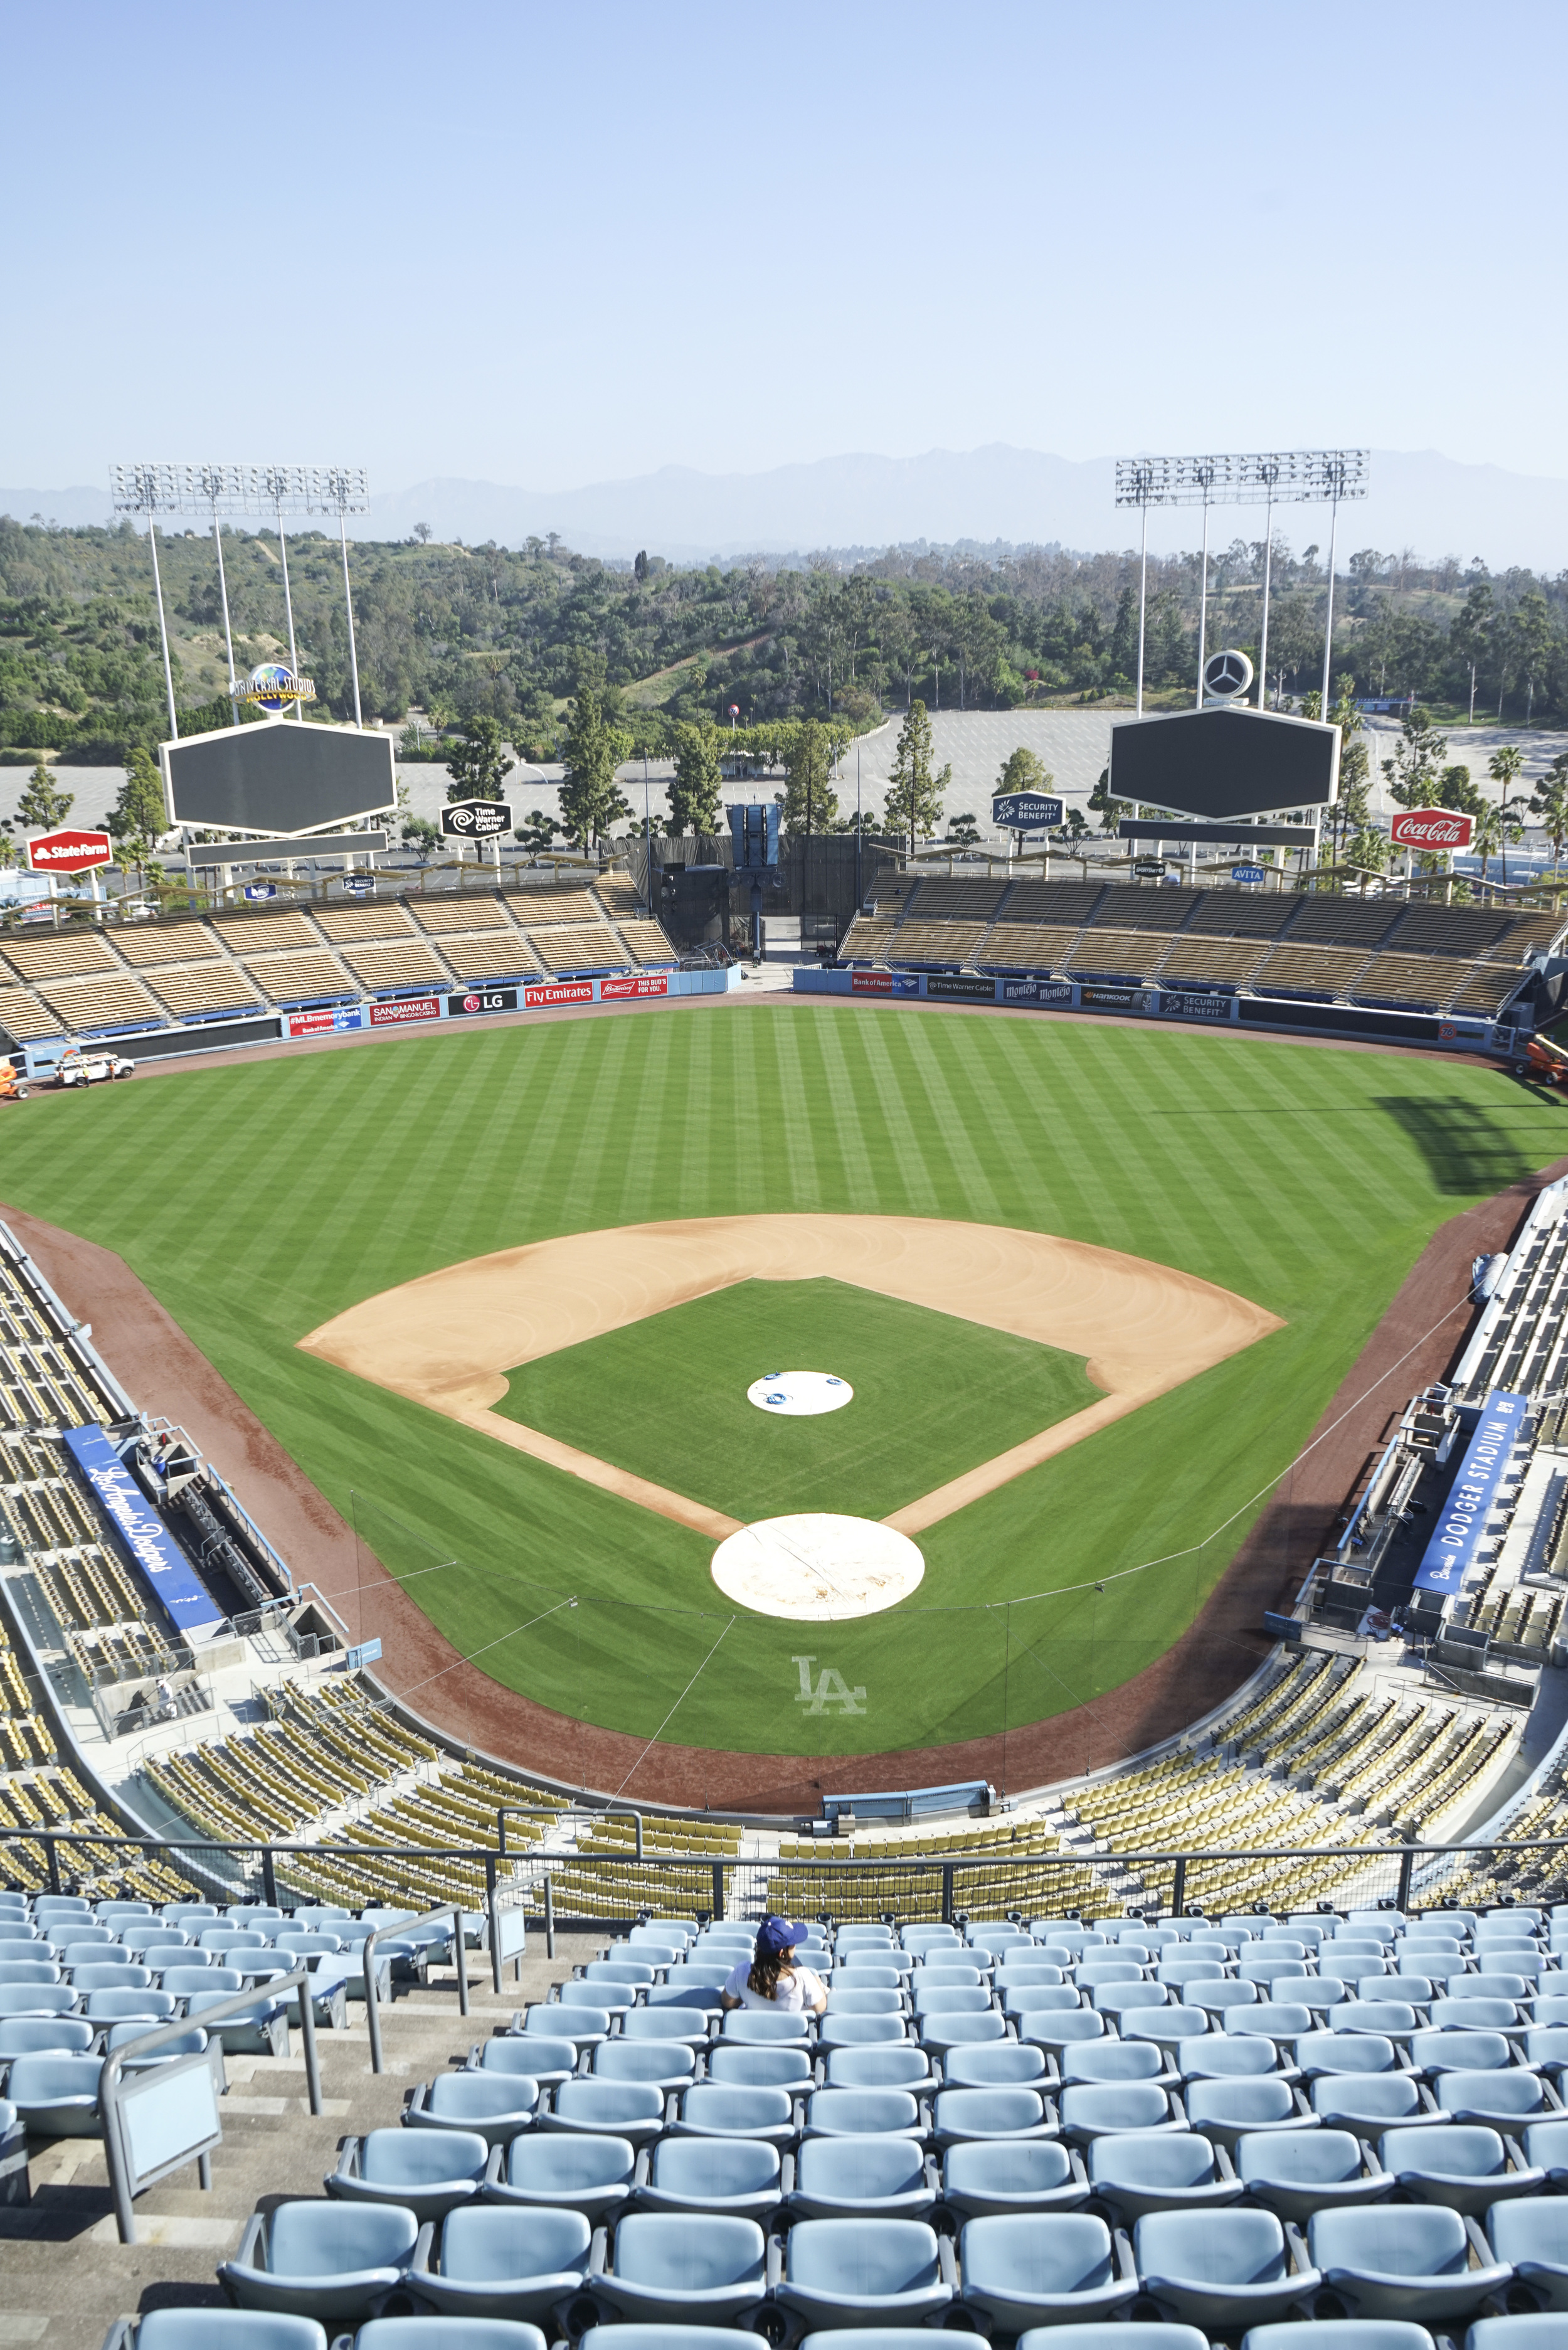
1203 474
152 490
1270 468
1336 470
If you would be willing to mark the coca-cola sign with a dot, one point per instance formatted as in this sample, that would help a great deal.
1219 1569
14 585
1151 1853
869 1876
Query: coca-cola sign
1432 829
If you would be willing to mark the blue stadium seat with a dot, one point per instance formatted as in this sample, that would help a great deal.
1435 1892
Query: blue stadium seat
741 2177
1281 2020
1177 2171
882 2177
759 2068
858 2031
951 1998
945 2030
1463 2166
1092 2111
1222 1997
37 1999
1223 2271
1546 2150
1180 1972
1045 2270
1226 2110
761 2024
56 2096
665 2264
569 2172
1117 1999
988 2178
622 1972
494 2106
1229 2057
261 2031
1433 2053
1533 2239
1092 1974
1055 2033
960 2114
869 2003
1130 2334
717 2109
1039 1999
1342 2333
544 2059
15 1971
219 2329
1476 2015
863 2112
430 2173
1297 2172
99 1975
904 2066
879 2272
1022 1974
491 2262
45 2035
1115 2060
332 2262
1406 2260
629 2109
1498 2100
1000 2065
1541 2329
442 2333
686 2016
850 1976
1173 2028
665 2064
1317 2052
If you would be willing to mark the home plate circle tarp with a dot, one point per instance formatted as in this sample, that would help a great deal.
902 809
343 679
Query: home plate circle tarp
817 1567
799 1394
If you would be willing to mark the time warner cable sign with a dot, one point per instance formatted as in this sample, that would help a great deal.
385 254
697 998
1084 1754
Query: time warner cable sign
1458 1531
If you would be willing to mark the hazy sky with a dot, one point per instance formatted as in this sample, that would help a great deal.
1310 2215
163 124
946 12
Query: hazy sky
548 244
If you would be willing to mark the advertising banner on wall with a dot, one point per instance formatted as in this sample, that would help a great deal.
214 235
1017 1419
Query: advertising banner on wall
1431 828
642 983
968 987
1035 991
324 1020
411 1007
884 982
558 991
1460 1529
476 1000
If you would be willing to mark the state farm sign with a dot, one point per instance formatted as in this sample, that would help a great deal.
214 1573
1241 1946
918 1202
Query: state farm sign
69 852
1432 829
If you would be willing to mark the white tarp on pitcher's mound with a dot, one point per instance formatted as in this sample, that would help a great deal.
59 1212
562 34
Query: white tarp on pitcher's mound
817 1567
799 1394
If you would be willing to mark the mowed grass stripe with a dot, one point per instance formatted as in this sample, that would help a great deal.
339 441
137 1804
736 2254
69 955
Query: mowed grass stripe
258 1201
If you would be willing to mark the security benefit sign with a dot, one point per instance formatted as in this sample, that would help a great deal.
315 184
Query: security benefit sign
1025 812
1459 1530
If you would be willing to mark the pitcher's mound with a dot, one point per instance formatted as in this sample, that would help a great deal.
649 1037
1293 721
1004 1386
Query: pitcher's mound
817 1568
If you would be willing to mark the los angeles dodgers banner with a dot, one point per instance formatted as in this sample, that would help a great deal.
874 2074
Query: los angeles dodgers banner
1458 1531
175 1583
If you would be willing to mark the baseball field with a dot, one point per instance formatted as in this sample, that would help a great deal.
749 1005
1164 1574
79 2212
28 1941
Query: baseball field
589 1237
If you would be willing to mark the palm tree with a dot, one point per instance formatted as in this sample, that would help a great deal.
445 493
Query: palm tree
1549 801
1504 767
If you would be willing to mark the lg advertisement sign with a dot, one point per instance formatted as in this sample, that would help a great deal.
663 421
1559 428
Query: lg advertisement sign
1431 828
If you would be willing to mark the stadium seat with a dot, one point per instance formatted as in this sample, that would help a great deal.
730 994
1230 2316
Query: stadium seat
1407 2259
761 2024
261 2031
945 2030
333 2261
850 1976
1092 1973
953 1999
1532 2238
17 1971
219 2329
1433 2052
56 2096
1370 2104
1117 1999
1170 2028
1047 2270
684 2018
492 2262
923 1939
1223 2271
1056 2031
1174 2171
666 2063
665 2264
1111 2060
46 2035
881 2273
1018 2175
574 2173
863 2112
1317 2052
1220 1997
429 2173
1532 2330
442 2333
1476 2015
884 2178
1039 1999
37 1999
1091 2112
759 2068
1546 2150
904 2066
1464 2166
493 2106
857 2031
1498 2100
991 2114
739 2176
1280 2020
98 1974
717 2109
1297 2172
996 2064
1230 2056
629 2109
1343 2333
1226 2110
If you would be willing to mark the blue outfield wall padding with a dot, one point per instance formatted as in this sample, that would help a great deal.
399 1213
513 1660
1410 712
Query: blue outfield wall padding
1458 1531
175 1586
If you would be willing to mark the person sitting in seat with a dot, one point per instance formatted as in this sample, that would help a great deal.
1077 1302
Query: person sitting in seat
772 1979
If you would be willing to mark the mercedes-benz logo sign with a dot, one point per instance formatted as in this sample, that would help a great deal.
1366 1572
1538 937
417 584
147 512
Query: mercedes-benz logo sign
1226 675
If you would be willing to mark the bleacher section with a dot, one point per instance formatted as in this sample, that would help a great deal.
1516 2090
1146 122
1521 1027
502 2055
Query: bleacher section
86 983
1382 953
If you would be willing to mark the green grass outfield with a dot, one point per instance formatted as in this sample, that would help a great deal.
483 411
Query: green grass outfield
667 1398
259 1200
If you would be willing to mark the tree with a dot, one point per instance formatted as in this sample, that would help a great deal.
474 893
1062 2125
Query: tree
694 794
1549 801
914 800
43 804
1504 767
478 765
1023 771
962 831
1412 772
138 814
592 750
420 833
538 834
423 533
810 804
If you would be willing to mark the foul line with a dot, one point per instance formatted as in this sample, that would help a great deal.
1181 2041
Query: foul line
677 1706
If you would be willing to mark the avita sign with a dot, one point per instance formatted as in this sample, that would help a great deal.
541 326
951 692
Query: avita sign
1432 829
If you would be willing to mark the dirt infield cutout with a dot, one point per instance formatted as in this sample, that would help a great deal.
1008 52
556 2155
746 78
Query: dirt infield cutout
449 1339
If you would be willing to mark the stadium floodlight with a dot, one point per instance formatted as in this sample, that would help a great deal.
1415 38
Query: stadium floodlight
1267 478
219 490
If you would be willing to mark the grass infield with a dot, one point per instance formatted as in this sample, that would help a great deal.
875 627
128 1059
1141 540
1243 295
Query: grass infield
258 1201
667 1398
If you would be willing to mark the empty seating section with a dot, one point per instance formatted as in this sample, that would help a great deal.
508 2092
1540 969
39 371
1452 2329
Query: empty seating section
148 946
251 934
491 955
461 912
1325 971
1364 922
552 906
580 946
116 1001
356 925
644 941
1425 981
24 1017
865 941
949 900
1230 963
204 987
1159 908
1116 954
304 976
408 963
943 942
1053 902
1029 946
1237 914
67 954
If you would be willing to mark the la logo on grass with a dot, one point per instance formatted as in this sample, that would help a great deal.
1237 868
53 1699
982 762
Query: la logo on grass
830 1689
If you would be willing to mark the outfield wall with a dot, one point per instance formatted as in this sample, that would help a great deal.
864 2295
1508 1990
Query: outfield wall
412 1010
1192 1008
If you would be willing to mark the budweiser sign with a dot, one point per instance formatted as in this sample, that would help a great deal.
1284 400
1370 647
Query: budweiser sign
1432 829
69 852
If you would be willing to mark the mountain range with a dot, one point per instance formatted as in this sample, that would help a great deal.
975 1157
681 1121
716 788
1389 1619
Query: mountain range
985 497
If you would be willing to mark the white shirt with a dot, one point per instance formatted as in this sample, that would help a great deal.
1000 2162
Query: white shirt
799 1989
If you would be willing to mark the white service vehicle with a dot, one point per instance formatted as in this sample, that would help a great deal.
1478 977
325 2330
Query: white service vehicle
80 1068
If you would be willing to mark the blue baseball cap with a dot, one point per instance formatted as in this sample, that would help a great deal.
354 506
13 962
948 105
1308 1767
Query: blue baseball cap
778 1934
